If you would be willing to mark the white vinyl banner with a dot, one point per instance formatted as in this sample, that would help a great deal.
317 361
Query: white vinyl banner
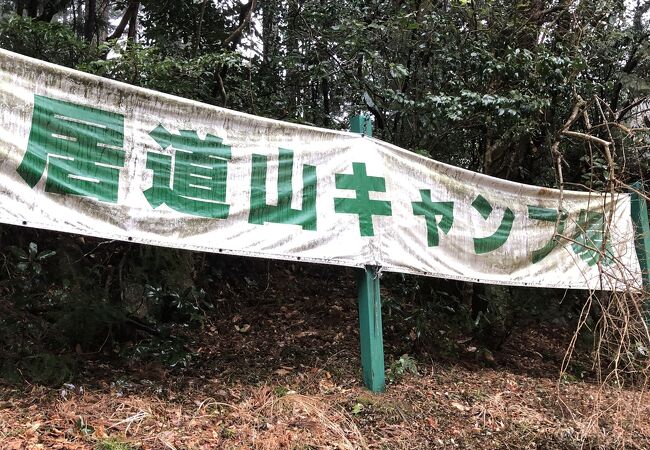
87 155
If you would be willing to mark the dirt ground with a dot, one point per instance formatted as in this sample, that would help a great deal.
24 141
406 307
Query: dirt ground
279 368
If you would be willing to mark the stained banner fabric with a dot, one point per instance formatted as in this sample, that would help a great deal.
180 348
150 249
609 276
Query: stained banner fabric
87 155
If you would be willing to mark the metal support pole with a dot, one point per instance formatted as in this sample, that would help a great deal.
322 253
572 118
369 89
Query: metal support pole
361 124
370 326
370 330
642 239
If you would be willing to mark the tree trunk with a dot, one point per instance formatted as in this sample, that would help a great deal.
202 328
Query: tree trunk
197 34
103 13
52 8
78 17
232 41
32 8
91 20
270 32
325 86
133 25
293 82
131 10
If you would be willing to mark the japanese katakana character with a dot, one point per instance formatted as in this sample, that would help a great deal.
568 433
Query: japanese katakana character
80 146
200 171
500 236
362 205
588 239
431 210
261 211
547 215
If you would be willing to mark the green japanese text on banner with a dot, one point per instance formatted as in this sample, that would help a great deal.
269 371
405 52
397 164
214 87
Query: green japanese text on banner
82 154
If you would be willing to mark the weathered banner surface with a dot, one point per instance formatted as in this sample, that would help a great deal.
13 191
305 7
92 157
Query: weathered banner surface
83 154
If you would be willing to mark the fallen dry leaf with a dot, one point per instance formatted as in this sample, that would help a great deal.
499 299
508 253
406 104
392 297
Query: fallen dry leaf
460 406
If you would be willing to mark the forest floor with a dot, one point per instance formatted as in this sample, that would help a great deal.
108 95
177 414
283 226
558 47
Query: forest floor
277 366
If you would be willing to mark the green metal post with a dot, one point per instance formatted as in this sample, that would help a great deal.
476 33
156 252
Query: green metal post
370 327
361 124
642 238
370 330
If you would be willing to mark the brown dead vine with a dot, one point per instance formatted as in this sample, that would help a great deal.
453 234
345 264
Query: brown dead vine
616 319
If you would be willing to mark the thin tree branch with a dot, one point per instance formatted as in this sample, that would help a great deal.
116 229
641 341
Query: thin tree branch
587 137
247 12
199 26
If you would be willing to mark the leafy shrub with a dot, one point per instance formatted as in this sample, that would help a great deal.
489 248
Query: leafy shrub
71 299
50 42
405 364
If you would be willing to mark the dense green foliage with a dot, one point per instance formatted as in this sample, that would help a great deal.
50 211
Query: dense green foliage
484 84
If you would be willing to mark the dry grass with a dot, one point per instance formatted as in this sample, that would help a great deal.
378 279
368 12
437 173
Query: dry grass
451 407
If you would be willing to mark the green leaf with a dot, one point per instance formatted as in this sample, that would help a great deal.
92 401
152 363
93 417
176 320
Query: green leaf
45 254
33 250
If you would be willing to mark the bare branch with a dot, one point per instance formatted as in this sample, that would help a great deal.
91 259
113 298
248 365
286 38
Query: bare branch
587 137
247 12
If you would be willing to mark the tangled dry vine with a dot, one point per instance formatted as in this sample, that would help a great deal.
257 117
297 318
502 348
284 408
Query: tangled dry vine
617 320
